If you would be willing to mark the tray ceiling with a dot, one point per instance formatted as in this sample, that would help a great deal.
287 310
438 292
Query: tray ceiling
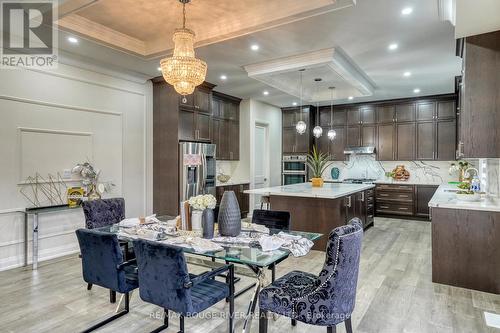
145 27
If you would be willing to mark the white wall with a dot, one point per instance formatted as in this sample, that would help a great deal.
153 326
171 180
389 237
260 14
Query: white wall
50 120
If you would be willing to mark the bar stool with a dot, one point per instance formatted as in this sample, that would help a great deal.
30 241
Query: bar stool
265 200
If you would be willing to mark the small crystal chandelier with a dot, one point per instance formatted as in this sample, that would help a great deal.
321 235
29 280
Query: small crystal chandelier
301 125
331 133
317 130
183 70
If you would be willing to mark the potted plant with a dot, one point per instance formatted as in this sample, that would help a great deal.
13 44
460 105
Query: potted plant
202 215
317 163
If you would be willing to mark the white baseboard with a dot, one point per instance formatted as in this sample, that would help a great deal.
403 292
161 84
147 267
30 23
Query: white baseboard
44 255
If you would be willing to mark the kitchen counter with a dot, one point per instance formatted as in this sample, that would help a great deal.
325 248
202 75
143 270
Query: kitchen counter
408 182
231 183
445 198
305 190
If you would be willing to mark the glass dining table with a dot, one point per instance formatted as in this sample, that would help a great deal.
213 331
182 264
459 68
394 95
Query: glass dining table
249 255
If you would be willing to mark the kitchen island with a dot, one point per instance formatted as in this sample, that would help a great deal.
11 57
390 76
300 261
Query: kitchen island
321 209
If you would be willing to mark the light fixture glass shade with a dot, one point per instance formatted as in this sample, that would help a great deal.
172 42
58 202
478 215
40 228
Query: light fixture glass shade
317 132
301 127
183 70
332 134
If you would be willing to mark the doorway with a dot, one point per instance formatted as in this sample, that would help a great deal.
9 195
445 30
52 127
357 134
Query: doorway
261 168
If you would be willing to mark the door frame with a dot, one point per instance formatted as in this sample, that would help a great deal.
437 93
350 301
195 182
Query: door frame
265 125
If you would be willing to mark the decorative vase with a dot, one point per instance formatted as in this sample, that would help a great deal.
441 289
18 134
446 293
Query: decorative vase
207 223
196 218
229 215
317 182
93 194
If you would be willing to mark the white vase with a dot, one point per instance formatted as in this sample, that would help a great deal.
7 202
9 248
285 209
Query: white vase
196 216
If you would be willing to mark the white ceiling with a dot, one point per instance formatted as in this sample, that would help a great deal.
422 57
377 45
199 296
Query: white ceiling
426 49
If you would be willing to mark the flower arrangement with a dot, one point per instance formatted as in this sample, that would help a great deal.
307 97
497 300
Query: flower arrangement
202 202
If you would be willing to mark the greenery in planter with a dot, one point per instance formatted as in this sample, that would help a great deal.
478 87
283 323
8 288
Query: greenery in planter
317 162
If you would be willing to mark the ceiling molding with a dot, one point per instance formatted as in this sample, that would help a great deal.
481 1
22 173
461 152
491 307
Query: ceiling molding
333 64
447 10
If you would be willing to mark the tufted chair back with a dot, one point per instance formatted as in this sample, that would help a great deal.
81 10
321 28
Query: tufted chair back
100 213
162 274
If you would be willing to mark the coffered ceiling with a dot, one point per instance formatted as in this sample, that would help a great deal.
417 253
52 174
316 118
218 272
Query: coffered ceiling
145 27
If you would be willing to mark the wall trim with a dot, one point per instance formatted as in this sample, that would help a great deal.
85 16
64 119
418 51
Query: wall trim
47 236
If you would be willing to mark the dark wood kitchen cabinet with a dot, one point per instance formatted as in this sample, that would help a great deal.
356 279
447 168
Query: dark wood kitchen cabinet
226 126
405 112
243 198
367 114
353 116
339 117
405 141
293 142
446 132
479 134
423 194
386 138
338 145
385 114
194 126
425 140
426 110
197 101
369 135
353 136
364 207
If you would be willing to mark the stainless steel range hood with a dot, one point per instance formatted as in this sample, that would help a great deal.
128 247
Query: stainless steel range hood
360 150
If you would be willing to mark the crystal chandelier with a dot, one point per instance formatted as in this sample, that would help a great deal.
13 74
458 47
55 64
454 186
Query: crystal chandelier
301 125
331 133
183 70
317 130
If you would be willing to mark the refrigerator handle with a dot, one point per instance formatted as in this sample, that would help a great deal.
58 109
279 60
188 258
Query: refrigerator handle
204 172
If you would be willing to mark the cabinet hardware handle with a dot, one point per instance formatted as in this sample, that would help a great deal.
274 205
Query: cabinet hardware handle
403 196
384 207
349 201
403 208
362 196
384 195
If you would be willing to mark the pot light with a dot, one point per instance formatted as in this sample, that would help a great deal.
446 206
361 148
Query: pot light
350 98
72 40
393 46
407 11
294 103
223 77
159 69
416 90
265 92
407 74
254 47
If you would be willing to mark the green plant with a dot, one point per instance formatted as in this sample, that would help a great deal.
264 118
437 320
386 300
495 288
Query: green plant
317 162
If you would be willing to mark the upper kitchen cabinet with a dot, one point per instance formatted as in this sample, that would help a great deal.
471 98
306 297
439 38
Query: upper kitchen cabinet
385 114
426 110
479 134
405 112
339 117
367 114
293 142
325 117
226 126
353 116
386 138
200 100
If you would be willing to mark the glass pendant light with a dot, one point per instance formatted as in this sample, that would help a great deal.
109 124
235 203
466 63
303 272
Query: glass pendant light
301 126
331 133
317 130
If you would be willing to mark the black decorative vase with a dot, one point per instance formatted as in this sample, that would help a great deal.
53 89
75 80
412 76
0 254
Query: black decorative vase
229 215
207 223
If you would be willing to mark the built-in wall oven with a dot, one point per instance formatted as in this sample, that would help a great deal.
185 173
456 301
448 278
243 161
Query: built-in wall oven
294 169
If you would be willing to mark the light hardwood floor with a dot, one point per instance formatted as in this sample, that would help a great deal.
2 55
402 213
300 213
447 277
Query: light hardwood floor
395 294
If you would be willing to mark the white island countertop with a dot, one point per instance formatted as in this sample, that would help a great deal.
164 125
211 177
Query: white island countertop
445 198
328 191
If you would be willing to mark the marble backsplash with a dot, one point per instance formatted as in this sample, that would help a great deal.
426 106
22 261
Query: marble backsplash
489 174
366 166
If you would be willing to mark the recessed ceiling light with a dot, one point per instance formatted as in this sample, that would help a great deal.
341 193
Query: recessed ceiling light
294 103
159 69
223 77
254 47
407 11
350 98
72 40
407 74
265 92
416 90
393 46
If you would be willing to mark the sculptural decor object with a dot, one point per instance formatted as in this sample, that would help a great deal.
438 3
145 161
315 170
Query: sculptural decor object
400 173
229 215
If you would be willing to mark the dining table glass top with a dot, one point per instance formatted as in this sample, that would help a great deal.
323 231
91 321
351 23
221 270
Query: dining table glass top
249 254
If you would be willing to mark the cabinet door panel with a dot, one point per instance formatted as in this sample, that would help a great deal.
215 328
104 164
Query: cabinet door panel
337 146
385 150
187 125
425 140
234 140
325 117
216 107
203 127
230 111
367 115
369 136
224 140
322 143
424 194
216 138
187 101
339 117
288 118
353 136
302 142
426 110
446 109
202 100
405 142
288 140
353 116
405 112
446 140
385 114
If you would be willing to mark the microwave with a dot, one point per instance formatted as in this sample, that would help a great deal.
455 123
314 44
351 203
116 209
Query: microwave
294 163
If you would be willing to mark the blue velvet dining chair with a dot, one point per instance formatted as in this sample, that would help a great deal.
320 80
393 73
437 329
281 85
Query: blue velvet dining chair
164 280
276 221
324 300
101 213
103 265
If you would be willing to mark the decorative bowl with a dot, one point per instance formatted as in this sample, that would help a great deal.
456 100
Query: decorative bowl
468 197
223 178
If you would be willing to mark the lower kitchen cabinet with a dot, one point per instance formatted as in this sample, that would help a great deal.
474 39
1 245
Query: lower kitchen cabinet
423 194
243 198
403 200
364 207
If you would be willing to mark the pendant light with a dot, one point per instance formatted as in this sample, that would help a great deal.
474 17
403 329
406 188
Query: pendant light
301 126
183 70
331 133
317 130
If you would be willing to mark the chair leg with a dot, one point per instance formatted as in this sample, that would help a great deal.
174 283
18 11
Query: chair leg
262 321
165 323
273 272
112 296
331 329
110 319
348 325
89 286
230 279
294 322
181 324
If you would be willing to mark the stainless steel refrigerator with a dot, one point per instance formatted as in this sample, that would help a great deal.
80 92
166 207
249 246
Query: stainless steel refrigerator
197 169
